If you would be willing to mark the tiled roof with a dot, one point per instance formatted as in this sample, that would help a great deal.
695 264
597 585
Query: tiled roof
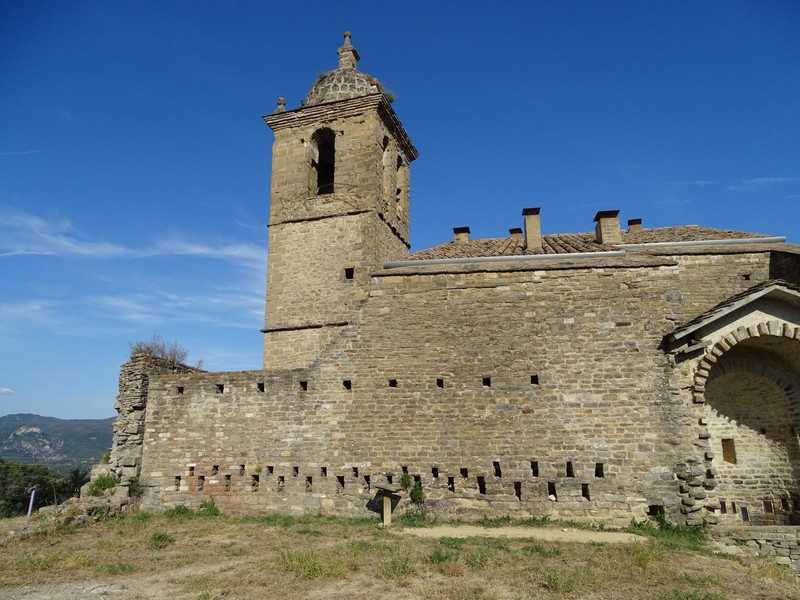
570 243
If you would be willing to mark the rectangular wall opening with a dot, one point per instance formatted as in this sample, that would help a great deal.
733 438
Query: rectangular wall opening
451 484
440 383
534 468
309 484
551 490
179 389
191 471
349 272
177 483
404 469
745 514
785 504
729 450
733 508
260 387
323 471
241 470
339 484
201 481
227 483
585 491
487 382
518 489
435 472
599 470
270 469
534 380
355 472
723 507
389 479
214 469
393 383
281 483
464 472
220 388
417 479
769 508
254 481
570 469
497 471
367 482
348 384
295 471
304 385
481 484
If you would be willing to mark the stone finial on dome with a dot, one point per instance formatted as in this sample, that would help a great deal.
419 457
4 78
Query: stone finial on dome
348 55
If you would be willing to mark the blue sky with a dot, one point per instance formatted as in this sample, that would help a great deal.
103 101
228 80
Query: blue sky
134 165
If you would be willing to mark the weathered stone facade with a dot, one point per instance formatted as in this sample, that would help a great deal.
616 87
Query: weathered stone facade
603 376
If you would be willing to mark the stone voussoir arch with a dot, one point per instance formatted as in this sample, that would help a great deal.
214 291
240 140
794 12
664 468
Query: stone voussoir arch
766 328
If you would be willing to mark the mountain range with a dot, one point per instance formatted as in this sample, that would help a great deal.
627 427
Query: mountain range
61 444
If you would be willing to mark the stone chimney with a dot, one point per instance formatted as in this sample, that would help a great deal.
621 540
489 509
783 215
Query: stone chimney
607 230
461 234
533 229
516 233
634 224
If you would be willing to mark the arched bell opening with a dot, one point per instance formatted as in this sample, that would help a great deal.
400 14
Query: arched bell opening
752 395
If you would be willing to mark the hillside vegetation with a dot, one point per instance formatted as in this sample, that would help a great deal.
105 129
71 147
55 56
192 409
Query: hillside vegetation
188 555
51 487
61 444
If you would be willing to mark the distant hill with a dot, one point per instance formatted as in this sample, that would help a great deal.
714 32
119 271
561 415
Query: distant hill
61 444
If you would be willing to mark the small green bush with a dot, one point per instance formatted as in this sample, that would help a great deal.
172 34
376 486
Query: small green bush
208 508
179 512
405 481
135 488
101 484
415 516
397 565
416 494
106 457
159 540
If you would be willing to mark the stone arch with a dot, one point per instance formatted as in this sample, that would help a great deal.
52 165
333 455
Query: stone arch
748 384
323 163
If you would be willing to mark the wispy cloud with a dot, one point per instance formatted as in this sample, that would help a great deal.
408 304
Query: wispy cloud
25 234
18 152
758 183
4 391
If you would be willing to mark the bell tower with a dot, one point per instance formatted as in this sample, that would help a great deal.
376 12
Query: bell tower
339 208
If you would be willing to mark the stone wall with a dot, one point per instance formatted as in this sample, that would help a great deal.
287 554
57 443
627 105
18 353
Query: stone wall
514 391
780 543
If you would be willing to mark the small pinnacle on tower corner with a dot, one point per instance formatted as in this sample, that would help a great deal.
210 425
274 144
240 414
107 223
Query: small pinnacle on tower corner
281 105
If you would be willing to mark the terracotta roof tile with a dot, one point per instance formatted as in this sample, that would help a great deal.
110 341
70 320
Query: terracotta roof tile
570 243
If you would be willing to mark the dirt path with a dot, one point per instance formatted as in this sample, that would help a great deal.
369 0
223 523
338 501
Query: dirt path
548 535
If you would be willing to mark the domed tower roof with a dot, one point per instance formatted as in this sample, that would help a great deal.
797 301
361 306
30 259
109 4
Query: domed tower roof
343 82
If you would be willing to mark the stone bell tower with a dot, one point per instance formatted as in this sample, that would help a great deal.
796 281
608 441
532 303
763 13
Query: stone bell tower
339 208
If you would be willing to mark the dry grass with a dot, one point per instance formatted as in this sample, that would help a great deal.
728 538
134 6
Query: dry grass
202 558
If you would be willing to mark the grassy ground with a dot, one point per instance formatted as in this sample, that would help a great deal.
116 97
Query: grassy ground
186 555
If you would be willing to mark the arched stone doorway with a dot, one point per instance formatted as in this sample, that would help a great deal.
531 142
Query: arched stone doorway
751 394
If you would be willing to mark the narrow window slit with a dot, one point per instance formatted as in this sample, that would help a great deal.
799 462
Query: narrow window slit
745 514
389 479
451 484
440 383
270 469
349 272
220 388
551 490
191 471
214 469
534 468
570 469
481 485
281 483
348 384
435 472
729 450
241 470
304 386
260 387
487 382
309 484
518 489
393 383
785 504
201 481
254 481
367 482
723 507
179 389
497 471
599 470
417 479
585 491
339 484
295 471
177 483
355 472
323 471
464 472
733 508
227 483
534 380
404 469
769 508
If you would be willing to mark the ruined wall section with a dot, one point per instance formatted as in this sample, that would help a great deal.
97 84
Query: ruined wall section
131 406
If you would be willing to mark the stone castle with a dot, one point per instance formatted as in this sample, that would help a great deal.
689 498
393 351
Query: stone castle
602 376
